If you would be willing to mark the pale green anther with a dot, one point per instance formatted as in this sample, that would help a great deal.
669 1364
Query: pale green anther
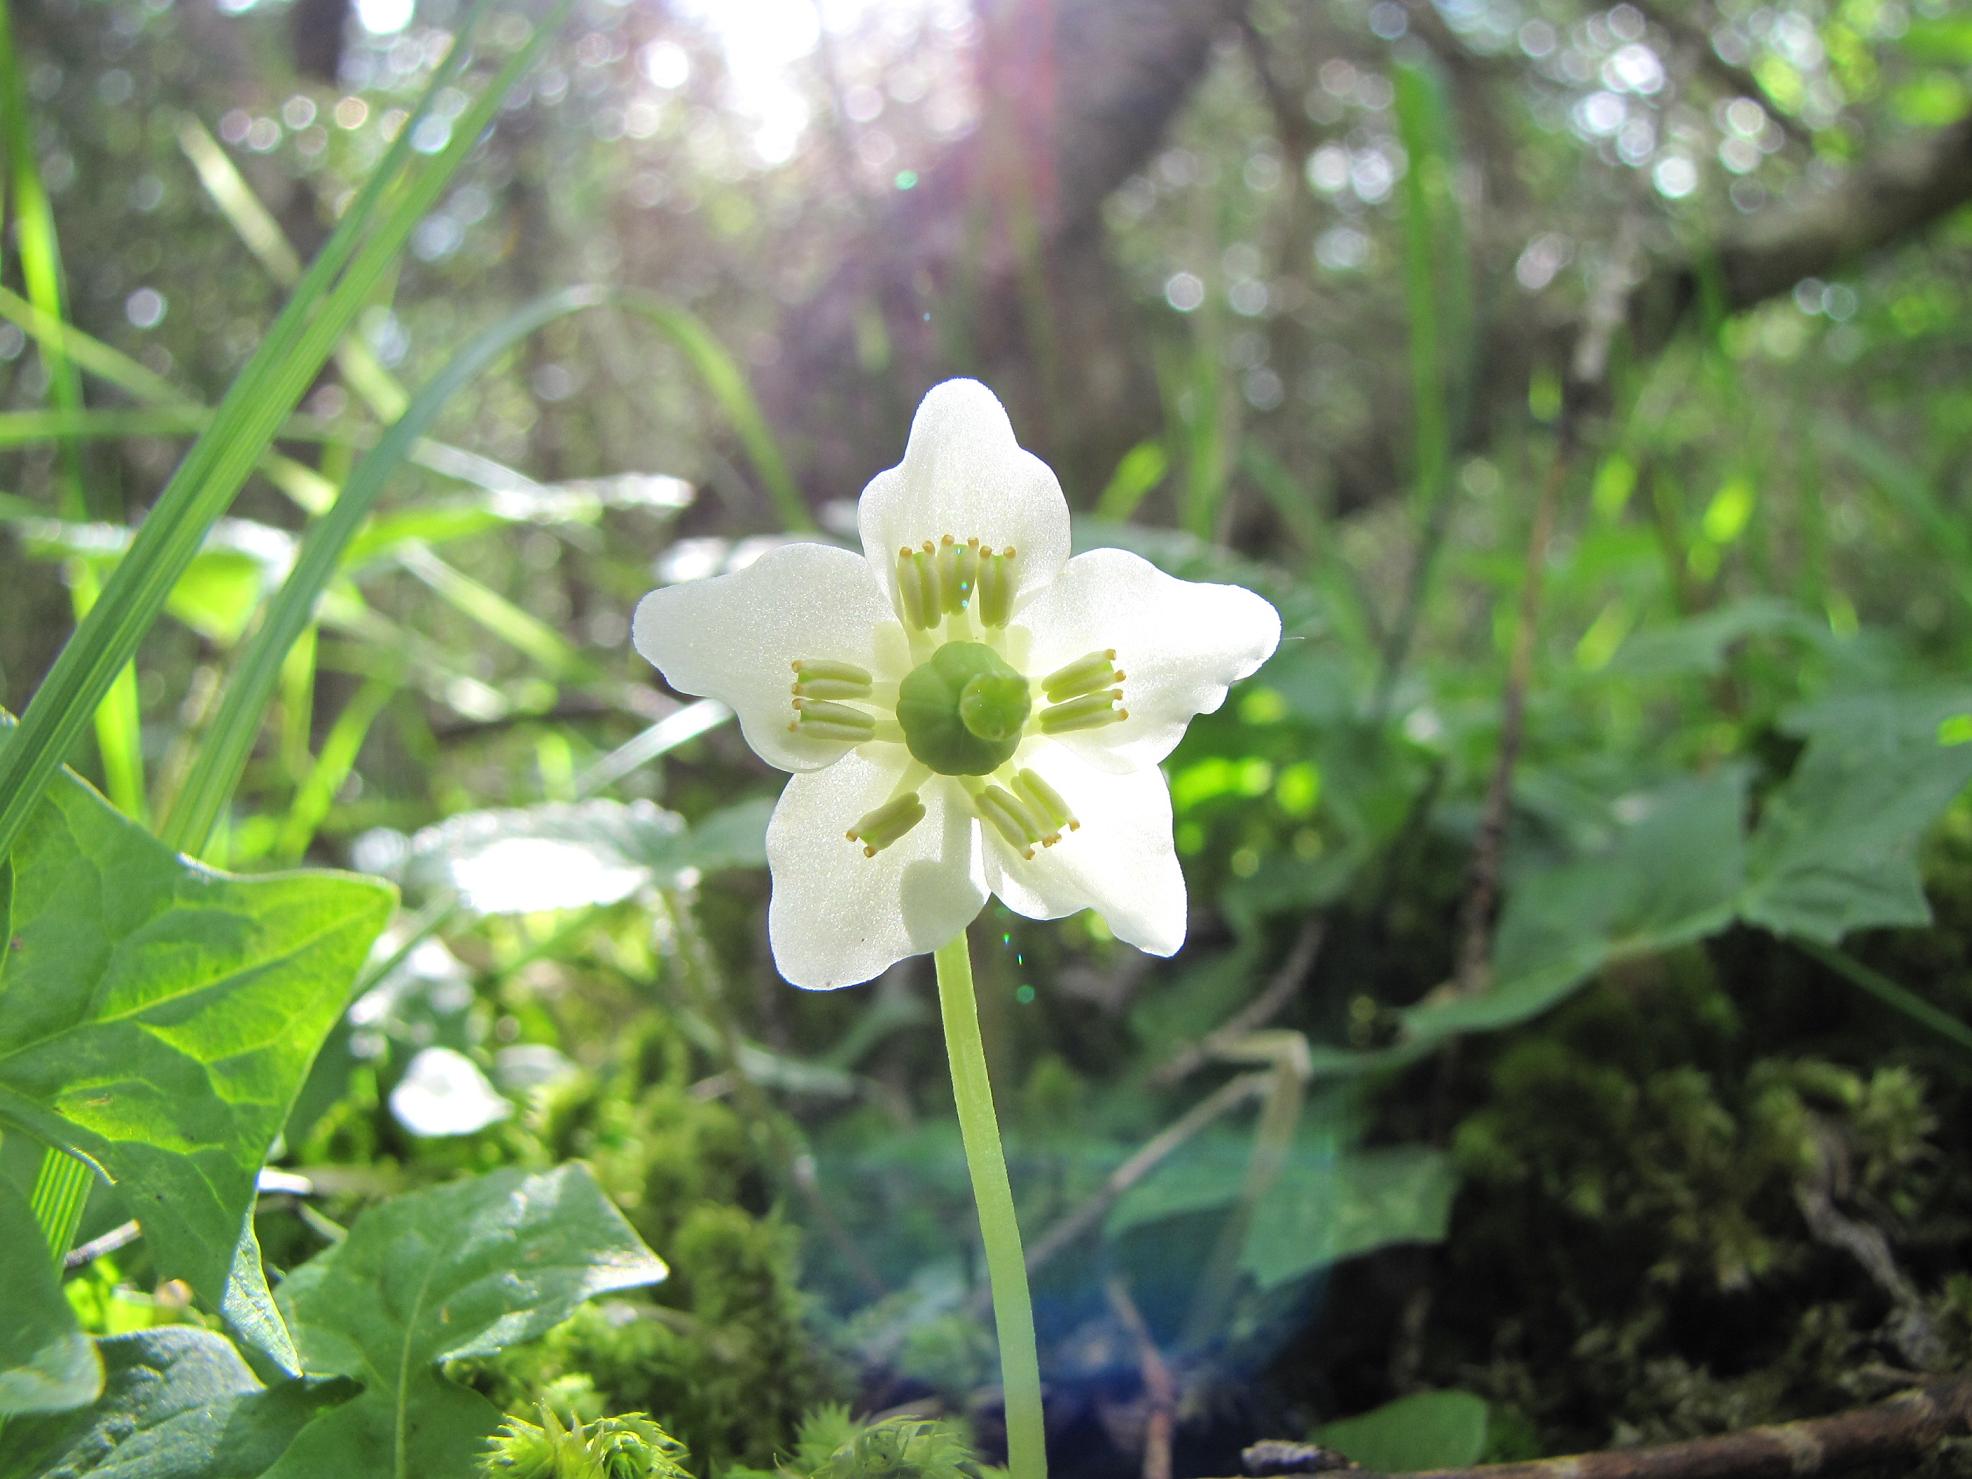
1045 800
1084 675
818 714
995 588
1091 711
909 593
829 688
924 569
950 597
809 668
964 576
887 823
1009 818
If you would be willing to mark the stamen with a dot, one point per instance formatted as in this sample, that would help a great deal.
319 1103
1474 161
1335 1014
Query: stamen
909 595
822 719
1084 675
995 587
824 679
1045 801
1010 818
924 569
962 576
1091 711
887 823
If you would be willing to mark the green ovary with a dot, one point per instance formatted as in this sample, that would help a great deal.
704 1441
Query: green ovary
963 711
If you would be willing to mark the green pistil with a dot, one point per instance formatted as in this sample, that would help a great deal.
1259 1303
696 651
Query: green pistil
1082 676
887 823
964 710
1091 711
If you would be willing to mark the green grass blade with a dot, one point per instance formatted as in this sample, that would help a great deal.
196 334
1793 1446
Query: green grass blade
90 354
118 717
263 395
727 382
525 633
222 759
317 791
1417 104
255 225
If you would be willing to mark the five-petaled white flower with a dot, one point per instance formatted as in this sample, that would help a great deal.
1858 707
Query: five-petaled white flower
964 707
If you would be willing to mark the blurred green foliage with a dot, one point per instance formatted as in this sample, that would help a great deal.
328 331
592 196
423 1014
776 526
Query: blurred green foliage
1693 1157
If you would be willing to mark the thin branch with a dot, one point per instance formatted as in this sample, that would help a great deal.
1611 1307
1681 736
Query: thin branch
1898 1430
1587 374
1255 1014
1153 1153
1159 1386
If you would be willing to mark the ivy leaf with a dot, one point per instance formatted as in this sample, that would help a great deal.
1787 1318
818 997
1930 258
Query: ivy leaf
46 1363
464 1269
157 1019
1671 873
1368 1200
1426 1430
178 1403
1324 1206
1836 848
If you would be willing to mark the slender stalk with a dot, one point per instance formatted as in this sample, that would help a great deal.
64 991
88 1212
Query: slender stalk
1006 1268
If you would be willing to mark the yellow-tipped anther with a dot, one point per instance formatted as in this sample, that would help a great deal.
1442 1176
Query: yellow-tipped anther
1090 711
995 588
887 823
821 718
1009 817
1087 674
1045 802
824 679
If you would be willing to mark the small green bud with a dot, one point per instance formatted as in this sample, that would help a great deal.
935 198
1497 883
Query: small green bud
963 711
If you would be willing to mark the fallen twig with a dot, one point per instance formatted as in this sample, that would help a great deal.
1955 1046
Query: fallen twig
1900 1429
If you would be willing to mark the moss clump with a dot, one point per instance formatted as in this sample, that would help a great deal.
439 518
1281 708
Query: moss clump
1665 1234
627 1447
834 1445
721 1354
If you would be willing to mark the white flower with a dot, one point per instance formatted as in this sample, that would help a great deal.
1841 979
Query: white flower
965 708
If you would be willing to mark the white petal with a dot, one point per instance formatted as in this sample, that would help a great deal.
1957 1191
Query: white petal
838 917
1179 643
1121 863
733 638
963 474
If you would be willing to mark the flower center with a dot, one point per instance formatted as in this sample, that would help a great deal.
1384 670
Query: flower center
963 712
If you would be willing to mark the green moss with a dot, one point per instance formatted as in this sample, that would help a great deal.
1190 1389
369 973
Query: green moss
834 1445
1634 1258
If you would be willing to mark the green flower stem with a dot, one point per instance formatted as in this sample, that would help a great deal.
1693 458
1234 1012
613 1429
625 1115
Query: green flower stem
1006 1265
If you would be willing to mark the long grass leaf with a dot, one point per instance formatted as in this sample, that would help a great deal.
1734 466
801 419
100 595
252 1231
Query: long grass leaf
222 759
723 376
318 314
118 717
